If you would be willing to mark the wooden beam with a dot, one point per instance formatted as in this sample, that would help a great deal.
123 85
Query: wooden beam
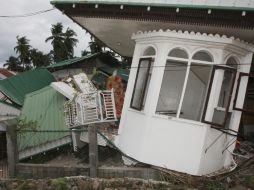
93 150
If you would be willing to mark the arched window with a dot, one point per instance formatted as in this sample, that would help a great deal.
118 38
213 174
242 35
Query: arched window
179 53
142 82
184 85
232 62
172 83
202 56
197 86
150 51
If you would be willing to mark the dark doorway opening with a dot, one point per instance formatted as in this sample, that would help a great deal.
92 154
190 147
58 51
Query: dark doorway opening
3 156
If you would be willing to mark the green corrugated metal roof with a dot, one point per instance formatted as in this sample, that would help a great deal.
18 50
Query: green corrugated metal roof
43 110
72 61
16 87
204 5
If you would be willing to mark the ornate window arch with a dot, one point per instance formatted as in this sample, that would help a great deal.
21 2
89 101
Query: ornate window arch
232 61
202 55
149 51
179 53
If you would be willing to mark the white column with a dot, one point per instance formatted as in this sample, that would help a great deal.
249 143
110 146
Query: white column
156 79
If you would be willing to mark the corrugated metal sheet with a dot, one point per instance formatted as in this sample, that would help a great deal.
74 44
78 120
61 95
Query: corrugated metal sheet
71 61
215 4
43 111
16 87
4 73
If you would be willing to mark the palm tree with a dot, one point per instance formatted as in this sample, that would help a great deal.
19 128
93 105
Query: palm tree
70 42
57 41
39 59
23 50
13 64
85 53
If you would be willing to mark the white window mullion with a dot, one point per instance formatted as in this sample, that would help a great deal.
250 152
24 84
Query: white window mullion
184 89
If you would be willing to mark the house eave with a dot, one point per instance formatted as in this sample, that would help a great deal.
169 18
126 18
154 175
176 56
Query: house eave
164 5
108 22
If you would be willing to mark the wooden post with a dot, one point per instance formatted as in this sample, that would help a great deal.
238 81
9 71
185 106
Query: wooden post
12 154
93 150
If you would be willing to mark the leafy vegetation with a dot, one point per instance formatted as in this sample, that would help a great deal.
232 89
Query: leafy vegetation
60 184
63 44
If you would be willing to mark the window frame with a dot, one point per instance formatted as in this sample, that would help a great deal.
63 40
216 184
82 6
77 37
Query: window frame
241 74
189 61
150 59
215 67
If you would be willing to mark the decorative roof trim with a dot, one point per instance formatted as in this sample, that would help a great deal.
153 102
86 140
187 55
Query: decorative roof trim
216 38
156 4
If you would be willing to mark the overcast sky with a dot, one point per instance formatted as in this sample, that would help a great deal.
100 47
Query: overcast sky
35 28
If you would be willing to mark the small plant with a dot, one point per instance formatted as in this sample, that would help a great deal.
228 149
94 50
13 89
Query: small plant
60 184
25 124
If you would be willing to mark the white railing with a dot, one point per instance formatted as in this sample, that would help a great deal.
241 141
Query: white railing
95 107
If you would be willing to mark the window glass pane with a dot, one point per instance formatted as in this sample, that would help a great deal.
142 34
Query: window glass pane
149 52
171 88
220 96
178 53
195 92
225 89
249 98
245 83
140 84
202 56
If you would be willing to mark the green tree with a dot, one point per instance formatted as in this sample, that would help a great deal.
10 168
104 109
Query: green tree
57 41
95 46
13 64
85 52
23 50
70 42
39 59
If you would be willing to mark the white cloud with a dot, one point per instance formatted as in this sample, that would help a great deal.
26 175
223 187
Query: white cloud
35 28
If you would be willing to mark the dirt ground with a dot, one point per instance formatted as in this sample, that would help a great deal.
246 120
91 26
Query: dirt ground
242 178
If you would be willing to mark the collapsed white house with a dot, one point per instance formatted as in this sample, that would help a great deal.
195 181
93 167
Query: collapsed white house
188 76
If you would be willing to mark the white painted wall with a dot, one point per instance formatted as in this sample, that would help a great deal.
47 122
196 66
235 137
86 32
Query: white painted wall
6 110
178 144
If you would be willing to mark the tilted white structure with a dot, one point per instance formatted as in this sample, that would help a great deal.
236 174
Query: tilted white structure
96 107
178 111
183 103
86 104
